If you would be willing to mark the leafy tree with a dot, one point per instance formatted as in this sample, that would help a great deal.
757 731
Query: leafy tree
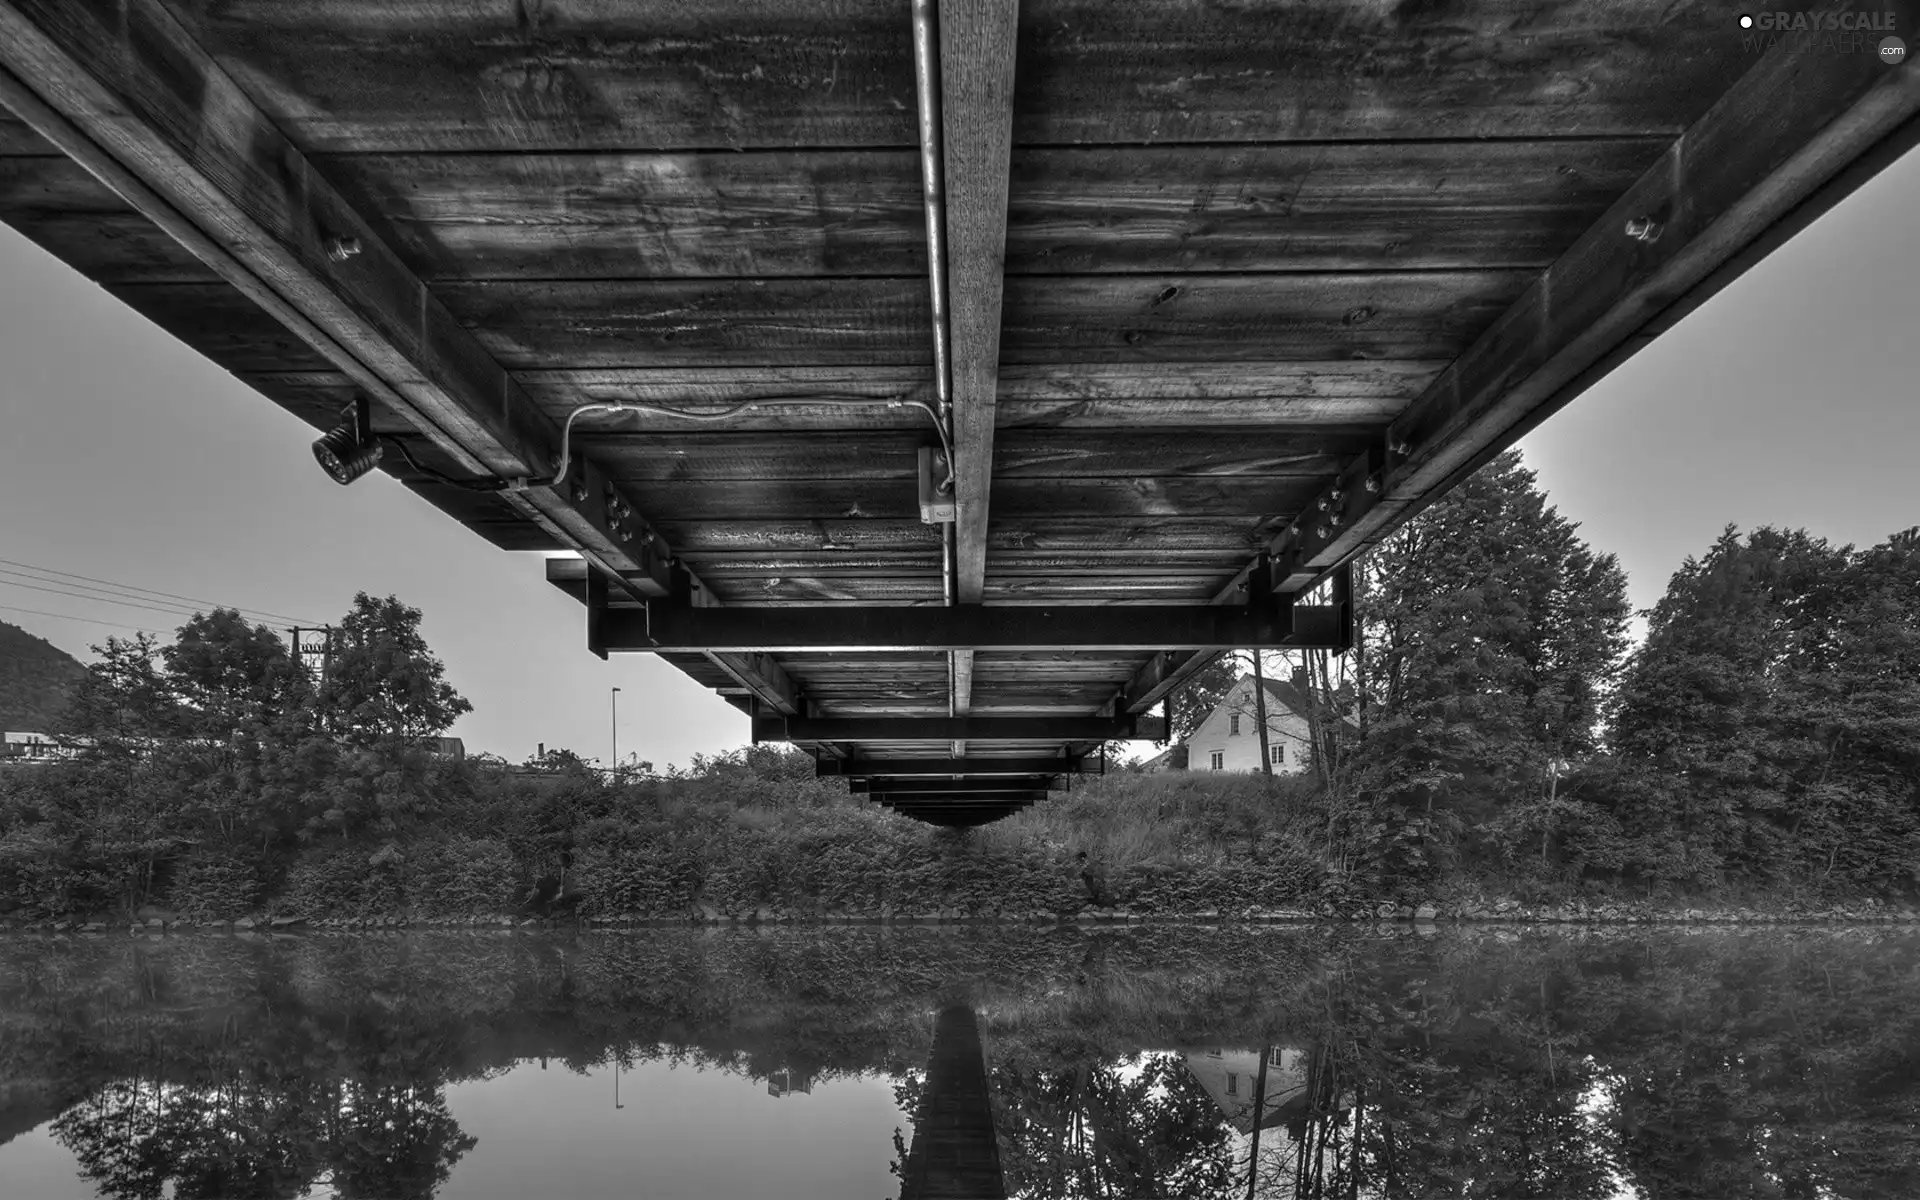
384 685
1493 635
125 693
229 677
1200 694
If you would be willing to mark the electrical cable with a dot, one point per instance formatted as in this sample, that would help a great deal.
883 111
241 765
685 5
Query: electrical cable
169 610
40 612
140 592
468 485
688 414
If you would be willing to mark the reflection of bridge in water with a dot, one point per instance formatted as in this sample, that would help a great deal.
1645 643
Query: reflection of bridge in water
955 1154
944 449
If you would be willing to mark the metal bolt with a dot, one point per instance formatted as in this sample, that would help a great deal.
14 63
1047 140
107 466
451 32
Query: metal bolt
1334 520
1400 446
1336 495
1320 531
340 249
1644 229
1321 504
579 493
1373 485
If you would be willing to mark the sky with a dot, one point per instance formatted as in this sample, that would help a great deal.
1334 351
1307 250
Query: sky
1792 398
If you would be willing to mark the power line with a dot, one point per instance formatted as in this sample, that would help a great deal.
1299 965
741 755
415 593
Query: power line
132 588
171 612
84 620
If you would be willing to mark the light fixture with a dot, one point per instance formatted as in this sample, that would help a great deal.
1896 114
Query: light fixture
349 450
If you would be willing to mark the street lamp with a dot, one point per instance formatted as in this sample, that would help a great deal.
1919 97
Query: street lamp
613 702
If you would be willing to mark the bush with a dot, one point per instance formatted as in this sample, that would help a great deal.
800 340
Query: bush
215 886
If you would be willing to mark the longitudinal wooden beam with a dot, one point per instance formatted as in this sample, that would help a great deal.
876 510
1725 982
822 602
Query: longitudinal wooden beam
977 40
946 729
976 766
663 628
1793 136
124 90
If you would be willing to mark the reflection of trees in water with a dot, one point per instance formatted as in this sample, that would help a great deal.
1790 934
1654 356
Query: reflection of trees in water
1761 1065
390 1141
1132 1126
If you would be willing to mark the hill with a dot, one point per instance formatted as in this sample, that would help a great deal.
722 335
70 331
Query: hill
36 680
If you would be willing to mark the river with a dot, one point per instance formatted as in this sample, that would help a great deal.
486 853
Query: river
947 1061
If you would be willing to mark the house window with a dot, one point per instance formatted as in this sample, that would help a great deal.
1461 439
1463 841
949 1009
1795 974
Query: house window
1233 725
1217 760
1273 1057
1233 1084
1277 754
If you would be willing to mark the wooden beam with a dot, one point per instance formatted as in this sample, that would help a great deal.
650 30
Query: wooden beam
662 628
125 91
1793 136
977 39
870 768
946 729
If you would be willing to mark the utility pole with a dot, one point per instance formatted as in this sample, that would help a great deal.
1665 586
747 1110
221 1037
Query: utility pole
1260 712
613 701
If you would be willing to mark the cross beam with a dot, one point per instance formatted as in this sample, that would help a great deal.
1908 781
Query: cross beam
948 787
1141 628
869 768
947 729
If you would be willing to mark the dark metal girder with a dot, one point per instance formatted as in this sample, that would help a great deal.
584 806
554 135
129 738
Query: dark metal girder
912 803
946 729
1141 628
896 767
943 787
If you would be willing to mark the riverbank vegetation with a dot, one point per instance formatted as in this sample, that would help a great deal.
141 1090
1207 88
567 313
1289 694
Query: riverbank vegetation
1494 737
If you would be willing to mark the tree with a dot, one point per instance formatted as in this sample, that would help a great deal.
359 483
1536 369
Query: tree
125 693
1494 636
1198 695
1771 715
228 676
384 686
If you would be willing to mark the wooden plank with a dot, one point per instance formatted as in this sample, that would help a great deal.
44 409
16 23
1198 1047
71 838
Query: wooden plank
976 785
79 220
1328 70
785 500
614 323
495 75
1145 536
1307 451
976 87
1308 316
391 75
641 216
132 97
1382 388
1365 206
1747 165
18 137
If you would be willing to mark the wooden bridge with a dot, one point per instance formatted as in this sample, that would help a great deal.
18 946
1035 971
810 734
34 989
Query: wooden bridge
1175 306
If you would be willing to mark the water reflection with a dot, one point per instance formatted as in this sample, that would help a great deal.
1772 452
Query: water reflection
1305 1063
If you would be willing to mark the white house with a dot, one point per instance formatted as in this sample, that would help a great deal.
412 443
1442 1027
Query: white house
1229 739
22 746
1234 1080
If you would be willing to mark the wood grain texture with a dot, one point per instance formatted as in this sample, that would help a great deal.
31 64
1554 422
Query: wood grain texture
977 87
1281 70
1365 206
785 500
1311 316
392 75
388 75
17 137
641 216
73 216
612 323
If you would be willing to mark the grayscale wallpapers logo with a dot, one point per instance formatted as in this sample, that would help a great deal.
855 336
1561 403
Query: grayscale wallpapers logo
1835 32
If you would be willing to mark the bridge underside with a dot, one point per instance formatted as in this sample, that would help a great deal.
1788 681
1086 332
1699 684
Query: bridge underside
1220 295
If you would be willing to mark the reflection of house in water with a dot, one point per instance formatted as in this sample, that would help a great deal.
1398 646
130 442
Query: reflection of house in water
1233 1079
789 1082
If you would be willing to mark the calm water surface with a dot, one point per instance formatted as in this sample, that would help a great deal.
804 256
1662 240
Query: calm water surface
860 1062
